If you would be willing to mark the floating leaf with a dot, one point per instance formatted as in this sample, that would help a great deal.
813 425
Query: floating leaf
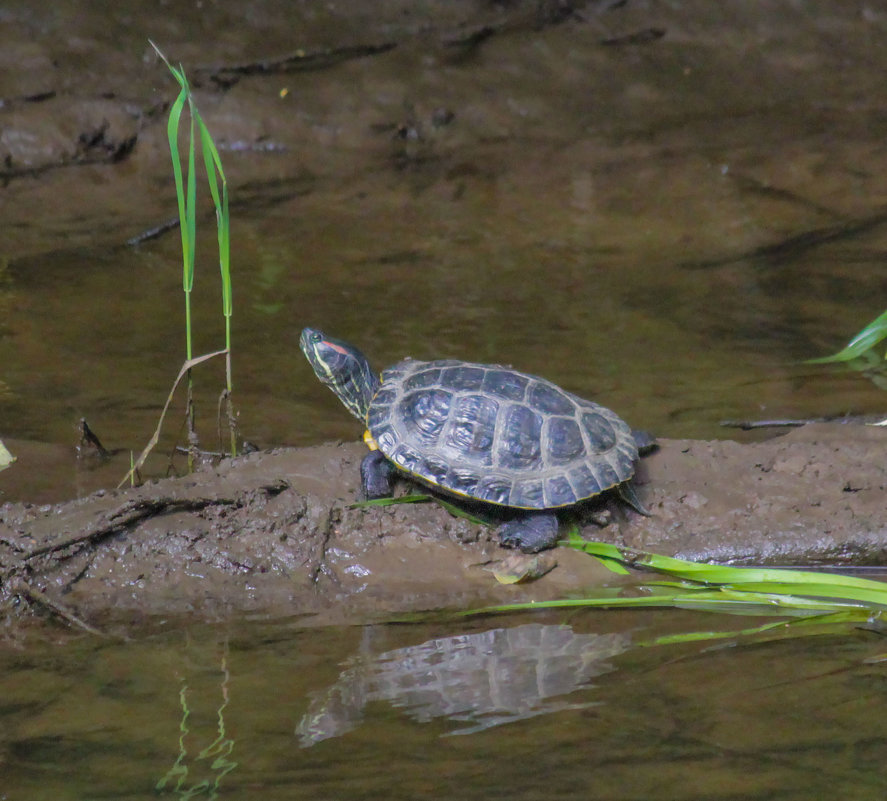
519 567
6 458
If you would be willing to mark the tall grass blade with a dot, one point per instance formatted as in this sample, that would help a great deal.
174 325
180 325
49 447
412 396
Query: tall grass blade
215 172
186 193
213 164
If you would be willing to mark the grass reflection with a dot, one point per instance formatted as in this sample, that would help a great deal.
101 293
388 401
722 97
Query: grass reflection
178 778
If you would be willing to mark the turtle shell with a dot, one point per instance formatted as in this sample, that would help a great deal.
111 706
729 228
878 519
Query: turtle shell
494 434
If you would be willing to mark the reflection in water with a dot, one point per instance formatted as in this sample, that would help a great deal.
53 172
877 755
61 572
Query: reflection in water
219 751
484 679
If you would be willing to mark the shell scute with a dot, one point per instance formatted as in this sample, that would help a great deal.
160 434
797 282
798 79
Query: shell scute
548 399
464 377
426 378
494 488
506 384
565 443
520 445
600 431
424 414
528 493
474 426
558 492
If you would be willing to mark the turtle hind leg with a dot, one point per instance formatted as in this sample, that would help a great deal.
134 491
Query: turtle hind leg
376 475
627 493
531 532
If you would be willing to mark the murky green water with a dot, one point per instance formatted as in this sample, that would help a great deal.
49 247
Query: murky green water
522 708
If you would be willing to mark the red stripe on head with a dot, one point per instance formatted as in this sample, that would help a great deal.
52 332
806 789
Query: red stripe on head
335 347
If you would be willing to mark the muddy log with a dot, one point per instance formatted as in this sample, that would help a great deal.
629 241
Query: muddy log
277 532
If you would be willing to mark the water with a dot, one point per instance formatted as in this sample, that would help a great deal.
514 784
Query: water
525 708
666 228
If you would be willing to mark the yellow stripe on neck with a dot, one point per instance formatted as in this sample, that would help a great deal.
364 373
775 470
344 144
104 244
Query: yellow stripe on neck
368 439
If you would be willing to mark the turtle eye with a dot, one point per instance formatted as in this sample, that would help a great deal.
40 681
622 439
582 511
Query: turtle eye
316 336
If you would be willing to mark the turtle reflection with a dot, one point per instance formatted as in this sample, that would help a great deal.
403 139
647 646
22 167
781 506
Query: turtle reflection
483 679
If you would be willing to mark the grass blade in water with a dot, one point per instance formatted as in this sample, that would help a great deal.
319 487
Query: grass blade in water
866 339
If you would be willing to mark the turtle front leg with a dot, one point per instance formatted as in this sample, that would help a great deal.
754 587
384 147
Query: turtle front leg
532 532
376 474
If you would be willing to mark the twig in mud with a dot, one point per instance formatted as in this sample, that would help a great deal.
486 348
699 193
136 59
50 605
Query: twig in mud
127 515
154 233
137 510
471 39
300 60
35 596
749 425
796 245
245 448
641 37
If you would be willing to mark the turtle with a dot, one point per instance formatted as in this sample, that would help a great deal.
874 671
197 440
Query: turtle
483 433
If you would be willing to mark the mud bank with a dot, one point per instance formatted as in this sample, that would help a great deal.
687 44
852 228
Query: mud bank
275 532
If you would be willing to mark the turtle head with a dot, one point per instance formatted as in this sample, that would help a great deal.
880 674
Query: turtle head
343 368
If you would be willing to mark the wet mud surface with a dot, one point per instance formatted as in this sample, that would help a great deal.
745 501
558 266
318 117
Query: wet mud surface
276 532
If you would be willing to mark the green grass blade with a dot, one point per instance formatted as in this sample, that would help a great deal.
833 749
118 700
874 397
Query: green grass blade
574 539
576 603
458 511
863 597
701 599
816 625
744 602
172 130
866 339
225 256
735 576
191 211
212 163
215 172
416 498
186 194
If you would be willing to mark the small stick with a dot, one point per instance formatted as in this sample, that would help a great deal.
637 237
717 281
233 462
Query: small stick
748 425
153 233
35 596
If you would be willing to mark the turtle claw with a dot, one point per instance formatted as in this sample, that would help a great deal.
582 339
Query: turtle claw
627 493
530 533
